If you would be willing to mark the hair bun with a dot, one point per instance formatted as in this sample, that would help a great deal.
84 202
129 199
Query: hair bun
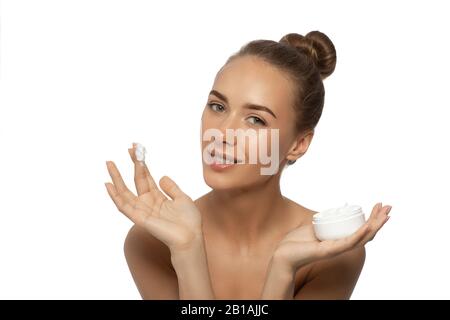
317 46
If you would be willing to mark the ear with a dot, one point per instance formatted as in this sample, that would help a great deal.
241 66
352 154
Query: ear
300 145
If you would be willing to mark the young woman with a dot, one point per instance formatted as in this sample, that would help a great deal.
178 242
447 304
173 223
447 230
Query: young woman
244 239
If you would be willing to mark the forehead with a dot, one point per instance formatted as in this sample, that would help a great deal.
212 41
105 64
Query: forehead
251 79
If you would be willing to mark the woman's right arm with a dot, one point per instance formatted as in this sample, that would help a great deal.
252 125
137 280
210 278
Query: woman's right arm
160 274
149 263
164 227
191 267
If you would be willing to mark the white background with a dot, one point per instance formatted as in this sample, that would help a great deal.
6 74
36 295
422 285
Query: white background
82 80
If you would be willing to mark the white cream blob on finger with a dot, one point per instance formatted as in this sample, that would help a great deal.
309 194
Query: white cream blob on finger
337 223
140 152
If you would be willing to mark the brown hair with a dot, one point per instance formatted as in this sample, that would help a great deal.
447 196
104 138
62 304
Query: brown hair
307 60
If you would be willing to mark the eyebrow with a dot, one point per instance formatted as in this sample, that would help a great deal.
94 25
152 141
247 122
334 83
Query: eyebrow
247 105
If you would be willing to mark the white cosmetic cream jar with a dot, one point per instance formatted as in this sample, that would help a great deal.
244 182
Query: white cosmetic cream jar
337 223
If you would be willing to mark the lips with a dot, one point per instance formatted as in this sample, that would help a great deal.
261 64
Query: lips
224 158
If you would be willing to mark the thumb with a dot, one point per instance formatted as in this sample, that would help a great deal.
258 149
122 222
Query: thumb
170 187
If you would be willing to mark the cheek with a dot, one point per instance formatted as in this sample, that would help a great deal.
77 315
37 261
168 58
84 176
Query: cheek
275 141
285 139
208 121
283 147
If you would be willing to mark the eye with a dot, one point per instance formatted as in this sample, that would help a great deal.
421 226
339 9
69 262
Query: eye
216 107
257 121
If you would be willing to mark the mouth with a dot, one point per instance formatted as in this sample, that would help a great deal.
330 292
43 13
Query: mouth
222 158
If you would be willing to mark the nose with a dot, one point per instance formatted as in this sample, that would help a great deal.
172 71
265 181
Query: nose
230 124
223 143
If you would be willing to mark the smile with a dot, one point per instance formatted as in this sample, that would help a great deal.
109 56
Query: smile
222 158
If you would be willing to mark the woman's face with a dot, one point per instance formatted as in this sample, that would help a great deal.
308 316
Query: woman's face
248 93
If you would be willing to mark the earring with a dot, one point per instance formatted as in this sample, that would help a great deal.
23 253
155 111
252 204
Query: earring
291 162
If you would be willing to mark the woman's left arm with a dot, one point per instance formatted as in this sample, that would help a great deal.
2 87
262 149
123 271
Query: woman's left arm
333 278
280 281
300 247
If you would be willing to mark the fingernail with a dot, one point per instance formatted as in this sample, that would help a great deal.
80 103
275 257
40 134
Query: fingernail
389 209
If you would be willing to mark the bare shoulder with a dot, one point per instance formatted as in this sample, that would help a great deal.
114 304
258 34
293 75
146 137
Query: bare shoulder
334 278
149 262
140 242
301 216
348 263
302 213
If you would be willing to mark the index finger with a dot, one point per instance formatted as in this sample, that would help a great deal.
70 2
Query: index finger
376 223
142 177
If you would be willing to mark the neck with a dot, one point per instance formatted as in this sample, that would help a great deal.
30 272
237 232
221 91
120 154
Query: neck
245 217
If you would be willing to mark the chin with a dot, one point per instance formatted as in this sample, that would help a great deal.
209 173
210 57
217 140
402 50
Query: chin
234 177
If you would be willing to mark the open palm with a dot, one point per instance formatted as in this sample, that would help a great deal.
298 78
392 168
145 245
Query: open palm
300 246
175 221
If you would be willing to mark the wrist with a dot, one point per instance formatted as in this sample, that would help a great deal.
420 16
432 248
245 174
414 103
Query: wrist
282 261
191 267
282 265
290 260
188 253
280 281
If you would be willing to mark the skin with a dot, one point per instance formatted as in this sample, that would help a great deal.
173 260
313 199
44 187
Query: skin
243 239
